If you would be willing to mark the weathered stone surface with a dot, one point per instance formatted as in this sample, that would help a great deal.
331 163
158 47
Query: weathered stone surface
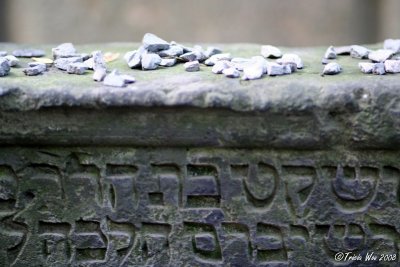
253 71
196 169
343 50
28 52
4 67
212 50
3 53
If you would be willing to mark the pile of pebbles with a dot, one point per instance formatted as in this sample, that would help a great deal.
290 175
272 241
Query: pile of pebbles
65 58
381 61
156 52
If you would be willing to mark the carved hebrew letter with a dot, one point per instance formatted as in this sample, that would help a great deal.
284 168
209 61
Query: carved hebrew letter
82 186
385 239
339 238
235 243
55 242
204 241
120 193
201 187
354 187
269 243
167 189
121 239
89 241
300 182
260 183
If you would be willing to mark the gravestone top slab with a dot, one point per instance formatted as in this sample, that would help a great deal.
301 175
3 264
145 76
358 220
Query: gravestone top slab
304 90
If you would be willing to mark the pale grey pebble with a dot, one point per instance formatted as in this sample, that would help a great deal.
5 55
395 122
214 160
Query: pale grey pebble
153 43
220 66
231 72
392 66
269 51
89 63
168 62
114 79
136 60
212 50
3 53
172 51
379 69
185 48
200 53
332 69
291 58
12 60
261 61
129 55
150 61
99 75
380 55
253 71
392 44
275 69
28 52
366 67
292 66
330 53
4 67
62 63
35 68
324 61
98 60
77 68
343 50
192 66
64 50
217 57
358 51
189 56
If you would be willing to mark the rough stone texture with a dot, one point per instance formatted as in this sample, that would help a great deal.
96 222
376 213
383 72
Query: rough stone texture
196 169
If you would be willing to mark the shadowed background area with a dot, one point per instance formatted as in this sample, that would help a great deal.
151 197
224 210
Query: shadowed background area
289 22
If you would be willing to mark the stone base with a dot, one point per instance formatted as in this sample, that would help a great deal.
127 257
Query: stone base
126 206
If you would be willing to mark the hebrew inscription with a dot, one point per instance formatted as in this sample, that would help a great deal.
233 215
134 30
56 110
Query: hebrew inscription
195 207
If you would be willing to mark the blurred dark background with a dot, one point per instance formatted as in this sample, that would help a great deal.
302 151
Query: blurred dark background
279 22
